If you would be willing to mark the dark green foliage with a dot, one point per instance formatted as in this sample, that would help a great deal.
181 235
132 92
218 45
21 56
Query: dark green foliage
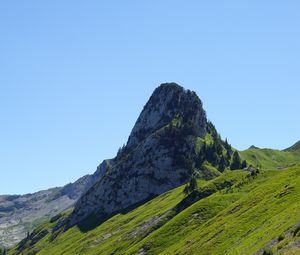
191 186
268 252
236 161
227 147
120 150
171 136
223 163
210 129
217 153
189 129
280 238
244 164
174 137
193 183
208 152
228 156
123 152
200 158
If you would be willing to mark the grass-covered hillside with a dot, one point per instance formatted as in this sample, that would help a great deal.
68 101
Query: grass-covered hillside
294 148
235 213
272 159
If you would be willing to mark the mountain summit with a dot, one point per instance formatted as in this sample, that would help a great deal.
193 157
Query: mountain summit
156 157
168 101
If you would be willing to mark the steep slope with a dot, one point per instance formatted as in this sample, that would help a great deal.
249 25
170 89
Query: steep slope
156 157
235 213
263 215
20 214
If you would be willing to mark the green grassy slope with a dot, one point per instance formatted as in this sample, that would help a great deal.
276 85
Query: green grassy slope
294 148
130 228
232 214
271 159
251 216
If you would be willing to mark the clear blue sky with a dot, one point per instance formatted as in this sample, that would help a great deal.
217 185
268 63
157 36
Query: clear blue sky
74 76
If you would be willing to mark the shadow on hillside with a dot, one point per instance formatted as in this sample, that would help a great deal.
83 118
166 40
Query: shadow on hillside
94 220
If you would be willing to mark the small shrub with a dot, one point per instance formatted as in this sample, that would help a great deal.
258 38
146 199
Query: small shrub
268 252
280 238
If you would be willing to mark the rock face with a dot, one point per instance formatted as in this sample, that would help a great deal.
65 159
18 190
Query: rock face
155 159
166 103
19 214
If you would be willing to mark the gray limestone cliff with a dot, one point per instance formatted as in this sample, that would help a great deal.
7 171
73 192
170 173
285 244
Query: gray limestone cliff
155 159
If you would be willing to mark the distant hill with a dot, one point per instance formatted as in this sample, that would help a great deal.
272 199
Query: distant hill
294 148
270 159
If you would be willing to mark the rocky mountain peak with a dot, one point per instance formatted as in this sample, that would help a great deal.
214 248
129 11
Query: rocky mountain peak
155 158
167 102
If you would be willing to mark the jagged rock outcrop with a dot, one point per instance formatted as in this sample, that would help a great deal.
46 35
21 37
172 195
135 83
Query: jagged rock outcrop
156 157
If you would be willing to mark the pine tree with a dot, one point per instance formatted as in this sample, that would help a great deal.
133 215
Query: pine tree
222 164
236 161
244 164
191 186
227 147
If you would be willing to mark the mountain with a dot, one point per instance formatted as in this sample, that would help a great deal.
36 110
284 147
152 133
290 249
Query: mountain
20 214
177 188
155 158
